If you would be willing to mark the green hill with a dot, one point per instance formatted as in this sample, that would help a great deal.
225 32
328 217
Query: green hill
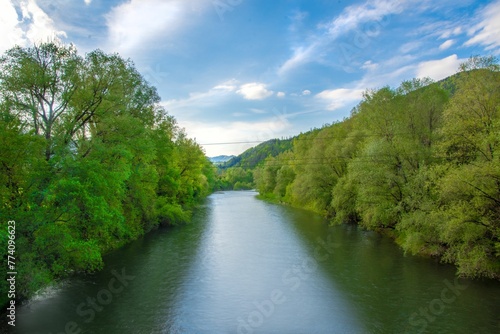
420 163
256 155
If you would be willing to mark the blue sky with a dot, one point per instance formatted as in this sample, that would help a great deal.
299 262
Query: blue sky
252 70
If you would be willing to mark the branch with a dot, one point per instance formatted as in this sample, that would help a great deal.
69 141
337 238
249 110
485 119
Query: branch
483 192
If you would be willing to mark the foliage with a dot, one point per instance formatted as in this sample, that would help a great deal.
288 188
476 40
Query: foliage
419 162
237 173
256 155
89 160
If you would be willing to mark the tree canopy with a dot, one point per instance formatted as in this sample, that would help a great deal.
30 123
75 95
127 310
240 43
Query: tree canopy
89 160
419 162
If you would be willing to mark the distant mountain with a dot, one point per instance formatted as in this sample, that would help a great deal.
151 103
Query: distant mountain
221 158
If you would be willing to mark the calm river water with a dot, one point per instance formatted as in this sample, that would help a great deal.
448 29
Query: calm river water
247 266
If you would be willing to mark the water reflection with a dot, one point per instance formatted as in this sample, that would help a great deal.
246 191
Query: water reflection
246 266
254 275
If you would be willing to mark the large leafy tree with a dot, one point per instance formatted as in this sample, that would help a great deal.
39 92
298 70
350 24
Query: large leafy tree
419 162
470 191
91 160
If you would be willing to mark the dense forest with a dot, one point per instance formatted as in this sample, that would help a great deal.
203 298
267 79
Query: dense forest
237 173
420 163
255 156
89 161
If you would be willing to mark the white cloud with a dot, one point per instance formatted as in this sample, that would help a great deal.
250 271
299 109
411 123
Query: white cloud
354 15
254 91
251 132
137 24
370 66
301 55
338 98
439 69
306 92
410 46
487 32
42 27
228 86
258 111
451 32
446 45
281 94
34 26
10 24
388 72
372 11
207 98
88 2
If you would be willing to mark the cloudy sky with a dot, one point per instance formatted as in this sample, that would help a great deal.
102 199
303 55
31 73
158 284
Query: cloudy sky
250 70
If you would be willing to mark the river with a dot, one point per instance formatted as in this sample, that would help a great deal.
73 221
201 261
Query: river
248 266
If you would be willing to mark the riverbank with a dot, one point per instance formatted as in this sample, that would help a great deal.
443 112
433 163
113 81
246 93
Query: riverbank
52 284
108 166
244 264
390 233
396 166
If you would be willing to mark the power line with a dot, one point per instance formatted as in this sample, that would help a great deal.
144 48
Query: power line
329 163
236 142
363 158
316 138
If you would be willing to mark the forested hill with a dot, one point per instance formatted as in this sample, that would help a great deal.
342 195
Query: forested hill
420 162
256 155
89 161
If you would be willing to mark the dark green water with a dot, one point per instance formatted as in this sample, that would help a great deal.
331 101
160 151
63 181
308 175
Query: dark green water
247 266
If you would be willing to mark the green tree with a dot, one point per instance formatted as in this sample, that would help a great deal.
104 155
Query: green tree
470 192
92 160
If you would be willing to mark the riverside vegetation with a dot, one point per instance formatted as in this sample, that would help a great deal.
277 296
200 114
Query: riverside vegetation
89 161
420 163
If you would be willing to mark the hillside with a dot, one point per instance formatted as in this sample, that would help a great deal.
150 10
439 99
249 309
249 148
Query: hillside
256 155
419 163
